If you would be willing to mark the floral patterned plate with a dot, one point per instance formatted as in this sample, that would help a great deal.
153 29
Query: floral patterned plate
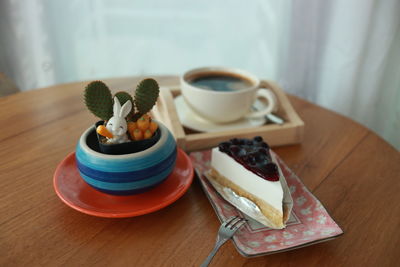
308 224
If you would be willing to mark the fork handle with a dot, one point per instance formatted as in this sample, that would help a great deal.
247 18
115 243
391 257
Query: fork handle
218 244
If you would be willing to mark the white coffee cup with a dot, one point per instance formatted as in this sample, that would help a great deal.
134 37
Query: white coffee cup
226 106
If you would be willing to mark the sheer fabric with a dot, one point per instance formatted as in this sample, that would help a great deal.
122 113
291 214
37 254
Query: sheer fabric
343 55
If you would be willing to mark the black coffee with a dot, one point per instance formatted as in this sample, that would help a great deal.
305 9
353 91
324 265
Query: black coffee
220 82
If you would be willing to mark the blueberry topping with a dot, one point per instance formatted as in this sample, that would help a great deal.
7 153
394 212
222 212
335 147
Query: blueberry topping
272 171
259 157
271 168
245 158
265 145
234 149
242 152
252 159
258 139
263 151
242 141
253 154
223 147
235 141
225 144
249 142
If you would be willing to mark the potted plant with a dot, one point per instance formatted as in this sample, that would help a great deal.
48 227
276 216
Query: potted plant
126 152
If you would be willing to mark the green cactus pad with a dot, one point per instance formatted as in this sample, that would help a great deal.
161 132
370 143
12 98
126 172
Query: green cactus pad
123 97
146 95
98 100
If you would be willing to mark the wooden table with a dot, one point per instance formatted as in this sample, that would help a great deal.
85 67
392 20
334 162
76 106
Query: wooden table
350 169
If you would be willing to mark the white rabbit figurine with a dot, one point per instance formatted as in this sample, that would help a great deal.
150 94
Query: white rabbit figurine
117 123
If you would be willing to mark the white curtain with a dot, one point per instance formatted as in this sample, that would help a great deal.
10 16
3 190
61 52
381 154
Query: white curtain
343 55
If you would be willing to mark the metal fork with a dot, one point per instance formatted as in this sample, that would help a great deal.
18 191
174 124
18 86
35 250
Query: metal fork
225 232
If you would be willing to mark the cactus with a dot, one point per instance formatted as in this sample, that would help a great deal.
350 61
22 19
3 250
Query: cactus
146 96
98 100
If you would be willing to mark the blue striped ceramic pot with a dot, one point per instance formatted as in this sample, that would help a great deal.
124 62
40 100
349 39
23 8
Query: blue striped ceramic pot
126 174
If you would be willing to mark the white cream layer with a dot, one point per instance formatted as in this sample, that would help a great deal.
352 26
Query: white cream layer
270 192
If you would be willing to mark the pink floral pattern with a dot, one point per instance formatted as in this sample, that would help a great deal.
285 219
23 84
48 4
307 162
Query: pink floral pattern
309 222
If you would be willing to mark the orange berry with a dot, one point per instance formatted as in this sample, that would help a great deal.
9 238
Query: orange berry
138 135
153 126
102 130
148 134
143 123
132 126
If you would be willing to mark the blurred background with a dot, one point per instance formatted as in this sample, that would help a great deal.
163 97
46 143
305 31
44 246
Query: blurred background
343 55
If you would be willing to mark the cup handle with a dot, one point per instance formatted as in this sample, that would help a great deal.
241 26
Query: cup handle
272 103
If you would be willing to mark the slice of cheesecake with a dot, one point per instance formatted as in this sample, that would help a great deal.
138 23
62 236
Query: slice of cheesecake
246 167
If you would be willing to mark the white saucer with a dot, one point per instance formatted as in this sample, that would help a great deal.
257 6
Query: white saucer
193 121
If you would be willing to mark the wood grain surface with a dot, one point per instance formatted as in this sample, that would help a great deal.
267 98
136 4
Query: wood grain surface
351 170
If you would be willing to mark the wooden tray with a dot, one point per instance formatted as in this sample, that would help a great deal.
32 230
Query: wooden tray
290 132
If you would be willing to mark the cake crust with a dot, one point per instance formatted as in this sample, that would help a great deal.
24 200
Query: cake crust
274 216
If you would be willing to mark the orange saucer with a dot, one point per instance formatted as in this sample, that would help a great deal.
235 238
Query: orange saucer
77 194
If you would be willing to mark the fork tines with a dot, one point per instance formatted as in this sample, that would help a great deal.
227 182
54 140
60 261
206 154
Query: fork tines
234 222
